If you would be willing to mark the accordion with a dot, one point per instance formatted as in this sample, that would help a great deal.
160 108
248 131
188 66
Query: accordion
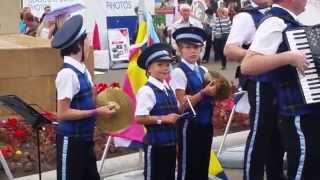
307 40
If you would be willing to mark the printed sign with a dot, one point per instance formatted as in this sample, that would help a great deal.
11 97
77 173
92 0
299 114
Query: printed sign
119 44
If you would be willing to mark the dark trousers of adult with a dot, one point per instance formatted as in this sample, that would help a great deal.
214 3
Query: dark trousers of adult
207 51
159 162
76 159
219 44
194 143
301 140
263 148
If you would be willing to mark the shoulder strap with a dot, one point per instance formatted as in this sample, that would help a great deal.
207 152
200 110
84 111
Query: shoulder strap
255 14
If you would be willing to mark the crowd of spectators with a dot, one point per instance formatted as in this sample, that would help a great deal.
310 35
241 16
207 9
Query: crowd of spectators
33 26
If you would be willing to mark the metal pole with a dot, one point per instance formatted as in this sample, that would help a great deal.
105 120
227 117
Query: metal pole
38 148
228 124
105 152
226 131
141 10
5 166
140 157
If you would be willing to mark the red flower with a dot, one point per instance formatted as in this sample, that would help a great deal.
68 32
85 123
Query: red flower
19 133
115 85
6 150
12 122
100 87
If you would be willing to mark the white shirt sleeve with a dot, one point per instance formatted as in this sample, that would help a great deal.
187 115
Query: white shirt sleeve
67 84
178 79
242 29
268 36
145 101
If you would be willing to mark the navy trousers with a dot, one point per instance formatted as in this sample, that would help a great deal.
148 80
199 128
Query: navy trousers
264 150
194 142
301 139
76 159
159 162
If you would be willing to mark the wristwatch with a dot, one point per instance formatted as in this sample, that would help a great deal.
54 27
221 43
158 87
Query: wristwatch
159 121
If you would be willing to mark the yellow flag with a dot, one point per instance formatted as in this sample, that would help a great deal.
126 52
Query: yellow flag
136 75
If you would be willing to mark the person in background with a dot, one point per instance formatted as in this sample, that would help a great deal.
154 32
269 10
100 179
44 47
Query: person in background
54 27
186 20
46 9
233 9
76 110
31 23
43 30
199 10
221 30
22 24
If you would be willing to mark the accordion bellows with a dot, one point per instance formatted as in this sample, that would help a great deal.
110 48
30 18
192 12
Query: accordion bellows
122 119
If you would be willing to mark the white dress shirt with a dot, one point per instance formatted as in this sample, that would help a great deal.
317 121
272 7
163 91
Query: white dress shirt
67 82
180 24
243 28
146 99
269 34
178 77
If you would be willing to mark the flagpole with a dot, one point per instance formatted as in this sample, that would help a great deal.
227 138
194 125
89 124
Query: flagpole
105 152
5 166
141 10
226 131
228 125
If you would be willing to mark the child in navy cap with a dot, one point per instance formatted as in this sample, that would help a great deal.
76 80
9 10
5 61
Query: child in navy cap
76 109
194 132
157 110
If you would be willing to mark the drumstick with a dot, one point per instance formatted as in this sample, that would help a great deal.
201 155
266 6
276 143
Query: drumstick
191 107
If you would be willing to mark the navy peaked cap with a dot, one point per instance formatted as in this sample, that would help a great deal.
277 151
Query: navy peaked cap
156 52
192 35
71 31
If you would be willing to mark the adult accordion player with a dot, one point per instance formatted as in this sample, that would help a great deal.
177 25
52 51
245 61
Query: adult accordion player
307 40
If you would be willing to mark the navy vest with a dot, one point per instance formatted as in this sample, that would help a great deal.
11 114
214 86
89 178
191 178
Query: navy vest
83 100
289 96
204 108
163 134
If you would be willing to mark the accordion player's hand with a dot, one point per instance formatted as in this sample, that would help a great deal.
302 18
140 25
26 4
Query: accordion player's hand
298 59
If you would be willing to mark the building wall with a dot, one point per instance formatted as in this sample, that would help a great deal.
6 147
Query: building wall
9 16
